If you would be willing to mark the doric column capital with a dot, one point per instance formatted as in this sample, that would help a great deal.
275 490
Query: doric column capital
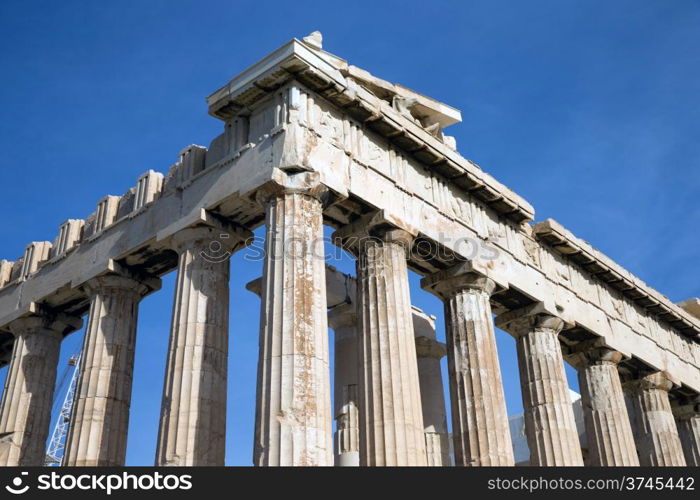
593 352
527 319
342 315
122 283
651 381
306 183
430 348
216 241
45 322
449 282
687 411
375 227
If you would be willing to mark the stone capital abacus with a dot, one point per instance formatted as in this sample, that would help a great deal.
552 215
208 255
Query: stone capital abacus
522 321
307 183
651 381
45 322
686 411
344 314
375 227
214 240
449 282
430 348
122 283
593 352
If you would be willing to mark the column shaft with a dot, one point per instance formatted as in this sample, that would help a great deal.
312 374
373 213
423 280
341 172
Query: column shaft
25 412
608 428
550 425
100 416
193 416
480 421
391 420
343 320
437 446
656 433
689 433
293 415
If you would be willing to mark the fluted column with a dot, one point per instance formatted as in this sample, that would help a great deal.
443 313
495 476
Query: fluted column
656 433
550 425
100 417
343 320
608 428
479 419
391 420
688 420
293 414
193 415
429 352
25 412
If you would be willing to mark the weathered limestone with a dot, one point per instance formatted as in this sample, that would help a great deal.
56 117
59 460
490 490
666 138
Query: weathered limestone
608 429
479 418
193 418
688 420
549 418
658 443
100 415
293 414
429 352
391 420
383 149
25 412
343 319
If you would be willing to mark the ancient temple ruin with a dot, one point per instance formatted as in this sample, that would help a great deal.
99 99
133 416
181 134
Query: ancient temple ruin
310 140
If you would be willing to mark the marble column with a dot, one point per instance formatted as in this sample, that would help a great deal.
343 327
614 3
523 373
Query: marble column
688 420
293 413
25 412
429 352
391 419
480 427
343 320
193 415
658 443
100 417
550 425
608 427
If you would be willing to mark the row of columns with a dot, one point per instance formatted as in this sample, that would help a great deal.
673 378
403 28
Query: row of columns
383 416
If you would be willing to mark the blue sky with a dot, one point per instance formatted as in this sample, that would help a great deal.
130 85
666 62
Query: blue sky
590 110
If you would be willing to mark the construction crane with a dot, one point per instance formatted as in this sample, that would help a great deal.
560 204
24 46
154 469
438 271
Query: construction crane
54 451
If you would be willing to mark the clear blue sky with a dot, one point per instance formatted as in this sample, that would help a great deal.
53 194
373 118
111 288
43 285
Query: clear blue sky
588 109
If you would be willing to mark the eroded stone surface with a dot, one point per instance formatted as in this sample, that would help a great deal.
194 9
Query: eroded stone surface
25 412
480 422
100 416
193 414
658 443
549 418
293 415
